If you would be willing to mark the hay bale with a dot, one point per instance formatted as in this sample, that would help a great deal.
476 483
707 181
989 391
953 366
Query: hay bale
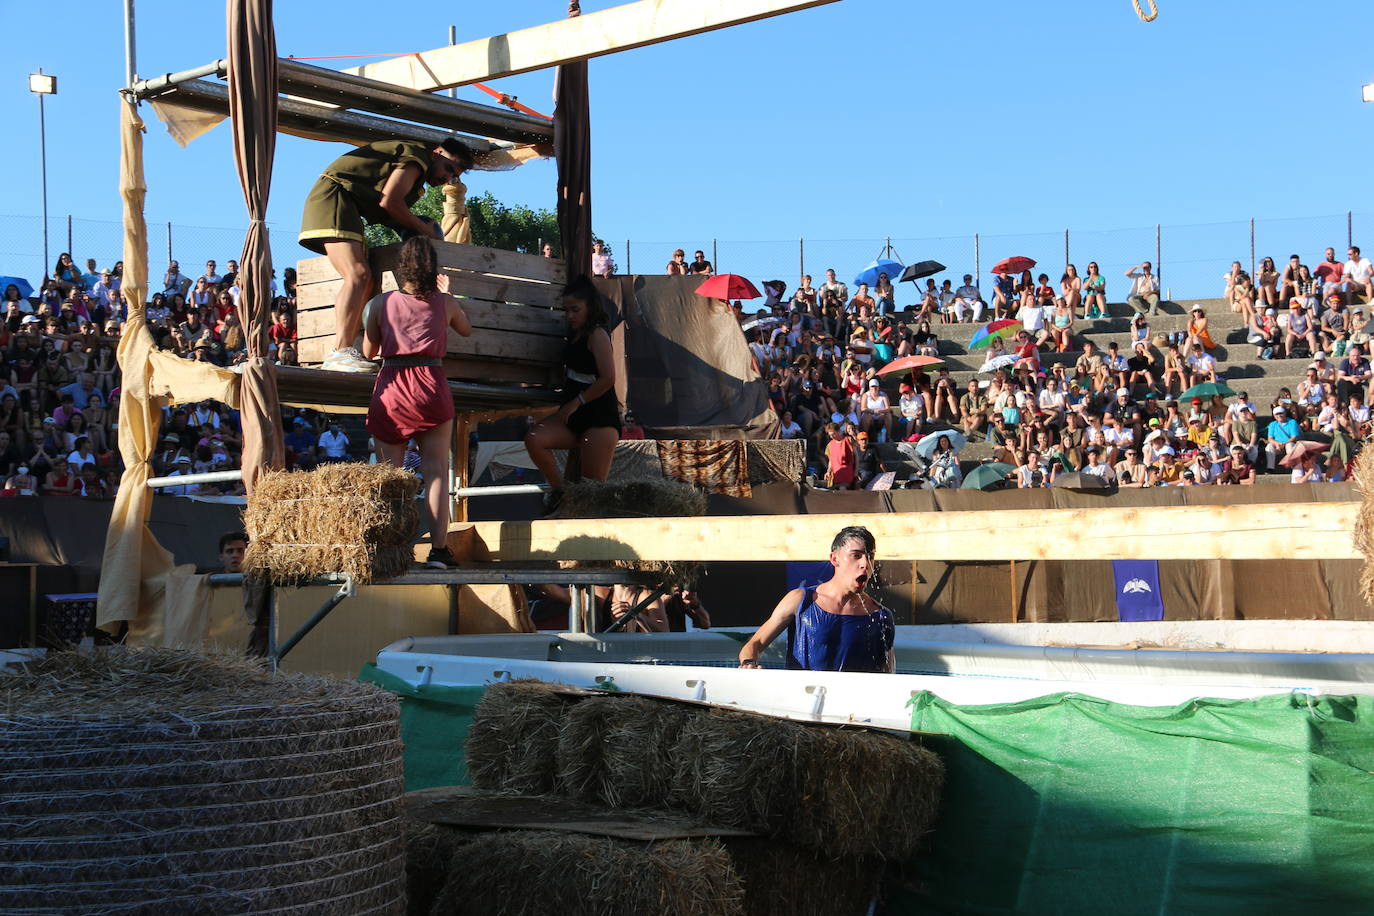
639 738
155 780
552 873
352 518
847 792
512 745
783 879
430 852
645 497
1364 525
581 748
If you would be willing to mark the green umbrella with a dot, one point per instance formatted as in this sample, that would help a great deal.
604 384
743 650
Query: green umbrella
985 475
1206 390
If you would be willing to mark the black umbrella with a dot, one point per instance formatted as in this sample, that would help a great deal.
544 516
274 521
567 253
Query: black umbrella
921 269
1077 480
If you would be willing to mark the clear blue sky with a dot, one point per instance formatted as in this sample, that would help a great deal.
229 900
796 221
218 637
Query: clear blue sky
857 120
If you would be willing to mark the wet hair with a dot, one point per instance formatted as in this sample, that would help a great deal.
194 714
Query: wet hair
584 290
417 267
854 533
460 151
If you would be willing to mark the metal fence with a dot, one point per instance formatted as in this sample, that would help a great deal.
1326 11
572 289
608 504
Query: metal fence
1190 259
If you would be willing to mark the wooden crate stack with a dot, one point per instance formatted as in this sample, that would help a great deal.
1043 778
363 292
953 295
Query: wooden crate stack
513 300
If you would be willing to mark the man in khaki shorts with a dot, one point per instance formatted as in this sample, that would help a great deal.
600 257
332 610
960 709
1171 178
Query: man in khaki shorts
378 182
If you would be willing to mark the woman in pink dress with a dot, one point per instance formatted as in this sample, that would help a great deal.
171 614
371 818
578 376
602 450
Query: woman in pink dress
409 329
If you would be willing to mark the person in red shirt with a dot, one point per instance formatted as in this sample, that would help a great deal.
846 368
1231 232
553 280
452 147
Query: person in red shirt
1329 272
283 330
840 458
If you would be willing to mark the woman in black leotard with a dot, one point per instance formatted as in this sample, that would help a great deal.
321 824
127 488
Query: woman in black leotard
588 423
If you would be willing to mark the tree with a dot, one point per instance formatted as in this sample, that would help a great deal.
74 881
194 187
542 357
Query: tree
494 225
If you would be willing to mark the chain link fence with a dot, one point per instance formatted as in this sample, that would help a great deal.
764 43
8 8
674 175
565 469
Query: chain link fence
1190 259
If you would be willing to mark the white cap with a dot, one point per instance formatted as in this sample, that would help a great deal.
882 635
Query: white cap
1166 450
1123 393
1270 312
1279 408
1321 354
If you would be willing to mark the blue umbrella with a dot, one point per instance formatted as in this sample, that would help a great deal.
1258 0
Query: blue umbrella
25 287
880 266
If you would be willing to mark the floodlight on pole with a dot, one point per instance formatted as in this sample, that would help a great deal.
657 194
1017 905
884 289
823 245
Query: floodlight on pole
41 84
1367 92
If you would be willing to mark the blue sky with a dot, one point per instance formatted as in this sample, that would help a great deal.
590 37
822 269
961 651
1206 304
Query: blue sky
857 120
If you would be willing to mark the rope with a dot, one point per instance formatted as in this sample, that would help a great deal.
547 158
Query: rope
1146 17
510 101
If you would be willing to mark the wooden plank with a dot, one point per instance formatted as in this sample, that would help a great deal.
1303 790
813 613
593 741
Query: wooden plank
620 28
466 283
485 343
1300 531
485 316
453 255
464 806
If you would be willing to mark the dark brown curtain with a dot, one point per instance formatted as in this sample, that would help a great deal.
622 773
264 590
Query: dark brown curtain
572 144
252 58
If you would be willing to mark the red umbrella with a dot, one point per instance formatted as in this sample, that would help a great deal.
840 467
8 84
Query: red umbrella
908 363
1013 265
728 286
1300 450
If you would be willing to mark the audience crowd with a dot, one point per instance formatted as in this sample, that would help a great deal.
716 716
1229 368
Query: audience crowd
60 382
1048 400
1113 414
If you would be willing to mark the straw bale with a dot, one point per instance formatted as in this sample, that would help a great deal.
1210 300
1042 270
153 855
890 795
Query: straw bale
783 879
640 736
354 518
1364 525
157 780
645 497
430 852
847 792
554 873
512 744
580 755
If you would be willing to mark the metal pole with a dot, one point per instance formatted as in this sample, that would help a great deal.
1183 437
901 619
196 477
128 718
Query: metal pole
1066 250
169 241
1349 229
453 40
715 257
977 257
43 157
1159 253
69 233
1252 247
801 258
130 45
627 257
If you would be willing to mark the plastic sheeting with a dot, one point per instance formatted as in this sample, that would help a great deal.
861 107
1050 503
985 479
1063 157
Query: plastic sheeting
1069 804
434 725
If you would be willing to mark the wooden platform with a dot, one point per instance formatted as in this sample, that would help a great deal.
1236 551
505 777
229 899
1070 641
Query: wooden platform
513 300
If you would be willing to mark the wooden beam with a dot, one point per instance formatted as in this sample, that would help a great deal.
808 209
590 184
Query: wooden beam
1298 531
620 28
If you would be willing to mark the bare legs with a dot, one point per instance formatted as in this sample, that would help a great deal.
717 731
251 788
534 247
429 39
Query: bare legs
434 468
349 259
596 449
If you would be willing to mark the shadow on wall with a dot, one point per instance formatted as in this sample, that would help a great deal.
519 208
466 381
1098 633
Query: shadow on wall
1069 804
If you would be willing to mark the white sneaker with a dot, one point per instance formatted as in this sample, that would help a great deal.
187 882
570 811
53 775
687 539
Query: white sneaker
347 359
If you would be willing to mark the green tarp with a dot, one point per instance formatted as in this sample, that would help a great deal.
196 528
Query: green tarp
434 725
1069 804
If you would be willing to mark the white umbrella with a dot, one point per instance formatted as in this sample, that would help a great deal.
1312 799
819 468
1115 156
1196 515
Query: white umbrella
926 446
997 362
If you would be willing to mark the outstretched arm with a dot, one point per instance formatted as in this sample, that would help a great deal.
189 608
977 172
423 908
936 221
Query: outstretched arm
777 622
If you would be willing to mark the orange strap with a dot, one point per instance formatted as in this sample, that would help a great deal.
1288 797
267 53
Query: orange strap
510 101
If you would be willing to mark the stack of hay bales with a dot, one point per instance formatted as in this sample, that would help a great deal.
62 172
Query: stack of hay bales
358 519
835 806
155 780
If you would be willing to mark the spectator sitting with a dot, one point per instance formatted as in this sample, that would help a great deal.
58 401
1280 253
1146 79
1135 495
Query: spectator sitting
1300 328
333 444
1358 276
700 266
1282 433
968 298
677 266
867 463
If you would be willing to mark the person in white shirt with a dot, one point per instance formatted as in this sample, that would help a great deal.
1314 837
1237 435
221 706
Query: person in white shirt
205 414
1202 365
333 443
210 277
174 281
968 297
183 467
1358 276
1144 289
1097 467
1031 474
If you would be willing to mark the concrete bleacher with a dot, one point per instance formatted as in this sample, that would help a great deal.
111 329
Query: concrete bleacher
1237 364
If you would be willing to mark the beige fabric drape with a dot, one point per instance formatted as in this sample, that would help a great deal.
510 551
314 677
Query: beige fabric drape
132 555
252 66
455 225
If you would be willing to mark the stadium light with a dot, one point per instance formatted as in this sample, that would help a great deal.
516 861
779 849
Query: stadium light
41 84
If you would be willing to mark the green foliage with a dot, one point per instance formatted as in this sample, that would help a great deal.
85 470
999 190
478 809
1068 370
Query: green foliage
494 225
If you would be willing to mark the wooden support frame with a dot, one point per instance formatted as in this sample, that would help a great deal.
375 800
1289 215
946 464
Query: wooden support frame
620 28
1297 531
